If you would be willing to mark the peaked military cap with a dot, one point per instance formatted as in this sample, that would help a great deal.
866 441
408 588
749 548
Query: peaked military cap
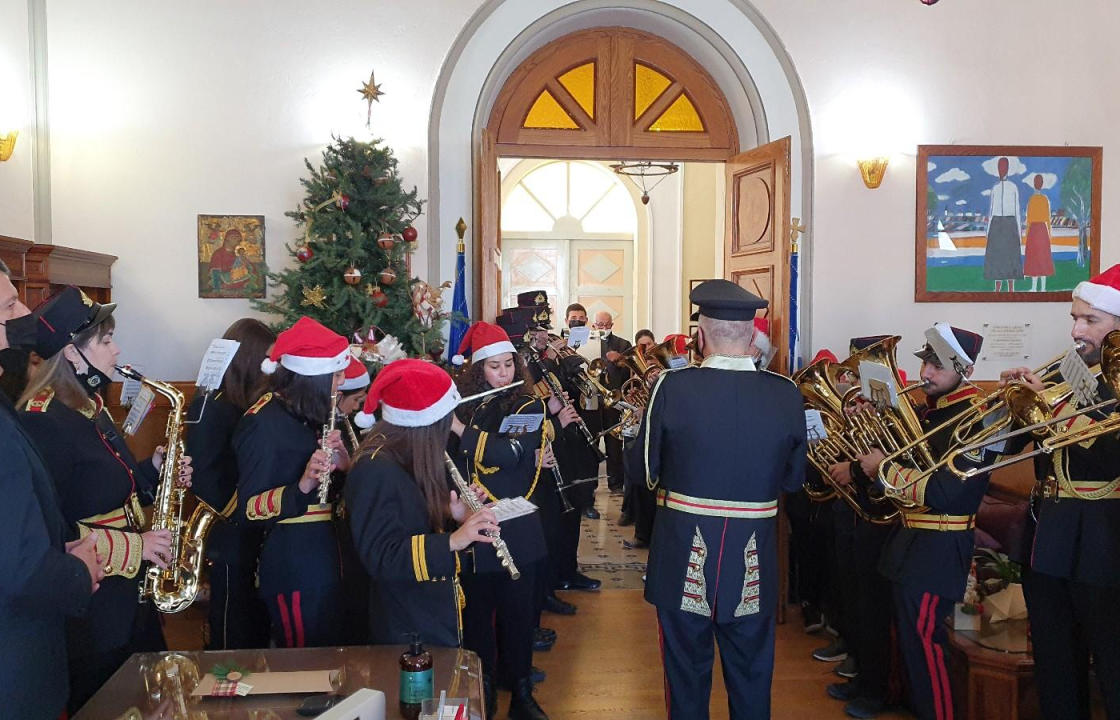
724 300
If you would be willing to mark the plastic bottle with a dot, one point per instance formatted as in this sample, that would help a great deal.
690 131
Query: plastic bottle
416 678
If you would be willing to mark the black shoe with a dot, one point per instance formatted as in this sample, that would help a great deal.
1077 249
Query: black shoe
845 691
864 708
812 618
523 706
635 544
543 644
546 633
536 675
582 582
847 669
554 604
490 696
591 514
835 652
625 520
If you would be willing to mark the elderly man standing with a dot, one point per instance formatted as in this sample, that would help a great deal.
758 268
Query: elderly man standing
719 442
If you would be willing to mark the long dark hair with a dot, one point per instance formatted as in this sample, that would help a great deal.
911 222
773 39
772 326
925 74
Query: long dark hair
419 450
472 380
307 396
244 382
59 375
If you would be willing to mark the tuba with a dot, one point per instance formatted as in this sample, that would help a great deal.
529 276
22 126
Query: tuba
173 589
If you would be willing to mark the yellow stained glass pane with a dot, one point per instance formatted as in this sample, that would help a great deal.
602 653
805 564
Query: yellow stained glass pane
547 113
580 82
648 86
681 116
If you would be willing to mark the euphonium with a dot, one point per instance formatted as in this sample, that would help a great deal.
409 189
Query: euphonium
174 588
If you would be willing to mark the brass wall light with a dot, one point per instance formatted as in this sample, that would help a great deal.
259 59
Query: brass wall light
8 144
872 171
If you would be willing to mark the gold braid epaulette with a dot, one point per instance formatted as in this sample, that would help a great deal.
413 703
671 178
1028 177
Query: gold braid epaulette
41 401
260 403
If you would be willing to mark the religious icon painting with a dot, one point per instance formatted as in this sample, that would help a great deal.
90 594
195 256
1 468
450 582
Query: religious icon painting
1006 223
231 256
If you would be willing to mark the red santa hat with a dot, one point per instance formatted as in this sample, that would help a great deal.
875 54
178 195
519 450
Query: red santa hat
761 340
357 377
825 354
1102 292
308 348
410 393
680 342
483 340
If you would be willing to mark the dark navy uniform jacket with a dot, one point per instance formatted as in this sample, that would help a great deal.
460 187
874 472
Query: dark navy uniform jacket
42 585
95 475
938 561
412 569
209 443
727 433
506 469
1080 539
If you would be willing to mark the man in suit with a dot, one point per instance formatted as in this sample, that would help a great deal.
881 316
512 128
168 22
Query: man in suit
46 579
611 347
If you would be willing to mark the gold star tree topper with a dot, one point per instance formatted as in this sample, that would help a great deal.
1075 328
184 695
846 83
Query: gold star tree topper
371 93
314 297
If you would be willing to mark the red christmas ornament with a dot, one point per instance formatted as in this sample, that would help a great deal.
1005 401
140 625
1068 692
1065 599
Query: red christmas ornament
380 299
342 202
304 253
388 276
352 276
410 234
386 241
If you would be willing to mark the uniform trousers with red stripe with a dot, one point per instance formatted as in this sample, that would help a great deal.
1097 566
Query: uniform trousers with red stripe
923 639
746 652
301 583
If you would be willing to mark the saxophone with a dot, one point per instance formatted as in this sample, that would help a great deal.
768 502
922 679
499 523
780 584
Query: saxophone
475 505
174 588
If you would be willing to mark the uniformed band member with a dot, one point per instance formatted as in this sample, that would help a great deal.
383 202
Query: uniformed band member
500 613
352 392
719 442
237 617
46 580
280 467
928 555
1073 587
352 397
408 526
100 484
19 339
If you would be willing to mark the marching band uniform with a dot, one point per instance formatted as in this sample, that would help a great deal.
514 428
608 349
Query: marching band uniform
928 556
501 612
355 582
413 573
237 617
713 567
43 585
100 486
299 574
1073 588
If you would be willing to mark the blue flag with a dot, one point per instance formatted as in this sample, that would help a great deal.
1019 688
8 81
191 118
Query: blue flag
460 318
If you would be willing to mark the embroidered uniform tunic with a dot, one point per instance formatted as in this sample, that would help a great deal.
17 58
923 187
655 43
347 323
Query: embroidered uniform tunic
719 442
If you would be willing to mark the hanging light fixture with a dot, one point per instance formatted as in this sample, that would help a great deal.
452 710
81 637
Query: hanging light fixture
645 175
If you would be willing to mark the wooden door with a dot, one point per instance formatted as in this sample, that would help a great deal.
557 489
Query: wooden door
756 248
488 233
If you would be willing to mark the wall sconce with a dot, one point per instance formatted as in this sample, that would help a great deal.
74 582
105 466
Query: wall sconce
872 171
8 144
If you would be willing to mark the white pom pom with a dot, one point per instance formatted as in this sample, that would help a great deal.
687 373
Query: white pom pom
364 420
458 360
269 366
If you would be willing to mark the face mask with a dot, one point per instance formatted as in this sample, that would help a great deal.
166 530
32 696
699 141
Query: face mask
21 332
93 380
13 372
605 333
576 323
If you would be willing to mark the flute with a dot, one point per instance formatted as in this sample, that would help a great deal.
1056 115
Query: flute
472 502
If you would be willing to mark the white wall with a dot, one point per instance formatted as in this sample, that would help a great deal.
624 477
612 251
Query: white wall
17 203
210 107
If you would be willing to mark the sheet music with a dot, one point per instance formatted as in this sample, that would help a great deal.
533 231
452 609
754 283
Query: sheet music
521 423
510 508
215 363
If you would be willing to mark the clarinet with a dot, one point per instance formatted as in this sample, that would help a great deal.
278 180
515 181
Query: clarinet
558 392
325 476
475 505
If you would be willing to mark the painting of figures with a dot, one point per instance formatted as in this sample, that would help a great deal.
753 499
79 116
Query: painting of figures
231 256
1006 223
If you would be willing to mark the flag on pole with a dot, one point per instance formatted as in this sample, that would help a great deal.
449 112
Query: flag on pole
460 315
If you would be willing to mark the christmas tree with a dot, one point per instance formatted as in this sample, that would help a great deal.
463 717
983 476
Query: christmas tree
352 264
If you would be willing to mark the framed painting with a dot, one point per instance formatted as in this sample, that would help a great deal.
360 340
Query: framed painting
231 256
999 223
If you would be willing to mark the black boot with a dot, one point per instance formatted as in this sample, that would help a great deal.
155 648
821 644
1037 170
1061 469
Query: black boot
490 696
524 706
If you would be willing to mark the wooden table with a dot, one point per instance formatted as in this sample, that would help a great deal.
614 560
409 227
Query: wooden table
139 690
992 672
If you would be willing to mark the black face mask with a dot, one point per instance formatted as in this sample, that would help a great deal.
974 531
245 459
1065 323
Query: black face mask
21 332
576 323
13 364
93 380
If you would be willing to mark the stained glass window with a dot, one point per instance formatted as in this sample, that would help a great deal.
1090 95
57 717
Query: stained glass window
681 116
566 196
648 86
580 82
547 113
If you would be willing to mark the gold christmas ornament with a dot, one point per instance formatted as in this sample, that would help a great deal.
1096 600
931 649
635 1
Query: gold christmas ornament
386 241
388 276
314 297
352 276
371 93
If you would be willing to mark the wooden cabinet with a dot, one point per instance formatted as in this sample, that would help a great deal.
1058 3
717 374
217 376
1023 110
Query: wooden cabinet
52 267
993 680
